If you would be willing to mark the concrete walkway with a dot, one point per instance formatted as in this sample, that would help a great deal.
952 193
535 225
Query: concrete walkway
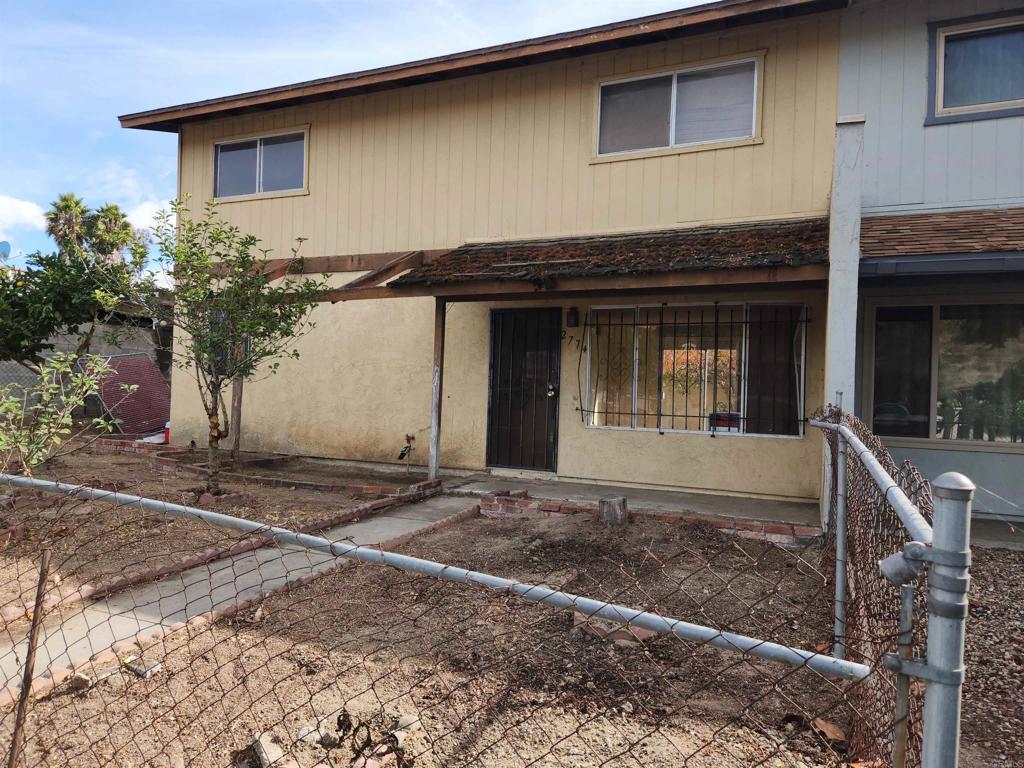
648 499
72 638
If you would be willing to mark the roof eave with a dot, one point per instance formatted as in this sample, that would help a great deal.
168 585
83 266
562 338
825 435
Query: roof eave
508 55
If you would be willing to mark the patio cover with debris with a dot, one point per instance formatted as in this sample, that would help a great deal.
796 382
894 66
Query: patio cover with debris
595 265
736 254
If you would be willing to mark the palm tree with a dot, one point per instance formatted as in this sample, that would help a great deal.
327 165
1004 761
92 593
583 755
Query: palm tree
108 231
66 221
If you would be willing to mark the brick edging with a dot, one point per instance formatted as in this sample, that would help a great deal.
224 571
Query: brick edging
505 504
11 614
287 482
46 682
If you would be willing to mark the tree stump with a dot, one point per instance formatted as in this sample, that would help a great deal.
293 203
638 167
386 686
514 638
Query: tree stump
613 511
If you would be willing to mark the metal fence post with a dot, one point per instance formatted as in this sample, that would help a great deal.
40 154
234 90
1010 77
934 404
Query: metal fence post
948 581
839 630
901 732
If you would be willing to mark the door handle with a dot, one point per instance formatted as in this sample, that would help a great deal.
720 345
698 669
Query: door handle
552 390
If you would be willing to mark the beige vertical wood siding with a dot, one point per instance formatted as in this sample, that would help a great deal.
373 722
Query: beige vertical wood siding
508 154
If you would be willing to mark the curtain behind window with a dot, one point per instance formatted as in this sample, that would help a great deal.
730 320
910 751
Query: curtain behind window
774 369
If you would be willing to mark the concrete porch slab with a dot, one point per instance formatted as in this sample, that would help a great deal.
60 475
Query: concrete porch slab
649 500
997 534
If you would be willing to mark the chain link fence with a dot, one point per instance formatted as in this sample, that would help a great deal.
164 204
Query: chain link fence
872 604
168 635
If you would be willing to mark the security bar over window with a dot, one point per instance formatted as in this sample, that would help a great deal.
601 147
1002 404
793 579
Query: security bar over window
712 369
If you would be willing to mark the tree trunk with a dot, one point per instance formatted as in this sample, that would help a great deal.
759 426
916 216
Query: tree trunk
236 418
613 511
213 454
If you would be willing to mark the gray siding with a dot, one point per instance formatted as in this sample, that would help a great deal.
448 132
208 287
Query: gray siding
883 74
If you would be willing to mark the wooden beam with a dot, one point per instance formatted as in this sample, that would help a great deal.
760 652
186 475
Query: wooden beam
395 267
351 262
436 391
479 290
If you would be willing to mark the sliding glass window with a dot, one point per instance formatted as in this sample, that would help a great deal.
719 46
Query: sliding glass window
950 372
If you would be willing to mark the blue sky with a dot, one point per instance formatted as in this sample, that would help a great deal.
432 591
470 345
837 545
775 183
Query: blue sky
68 68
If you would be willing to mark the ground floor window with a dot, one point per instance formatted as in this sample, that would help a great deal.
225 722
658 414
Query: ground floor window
715 368
949 372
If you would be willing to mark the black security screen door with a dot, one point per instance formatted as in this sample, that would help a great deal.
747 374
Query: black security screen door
522 419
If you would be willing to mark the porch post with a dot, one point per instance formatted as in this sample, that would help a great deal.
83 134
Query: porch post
435 394
844 260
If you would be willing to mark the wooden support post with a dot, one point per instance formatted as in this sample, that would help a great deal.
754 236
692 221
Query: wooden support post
613 511
437 389
18 736
236 419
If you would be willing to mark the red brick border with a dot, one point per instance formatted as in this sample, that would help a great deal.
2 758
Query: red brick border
505 504
171 458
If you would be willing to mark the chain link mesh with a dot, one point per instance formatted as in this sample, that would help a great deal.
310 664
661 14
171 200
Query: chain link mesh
171 642
874 531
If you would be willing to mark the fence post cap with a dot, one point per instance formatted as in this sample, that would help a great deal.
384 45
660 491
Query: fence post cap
953 485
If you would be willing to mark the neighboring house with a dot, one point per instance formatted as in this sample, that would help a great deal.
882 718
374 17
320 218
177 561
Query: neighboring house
941 364
122 339
634 248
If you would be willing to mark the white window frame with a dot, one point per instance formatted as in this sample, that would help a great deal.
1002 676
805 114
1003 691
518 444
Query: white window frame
801 389
258 138
757 58
941 34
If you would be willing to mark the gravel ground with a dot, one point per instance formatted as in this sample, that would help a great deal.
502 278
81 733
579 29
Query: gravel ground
993 710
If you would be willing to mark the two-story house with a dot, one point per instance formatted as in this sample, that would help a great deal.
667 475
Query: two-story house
628 254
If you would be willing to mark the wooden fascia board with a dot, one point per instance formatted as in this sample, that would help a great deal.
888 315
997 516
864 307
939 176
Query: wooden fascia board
456 65
497 289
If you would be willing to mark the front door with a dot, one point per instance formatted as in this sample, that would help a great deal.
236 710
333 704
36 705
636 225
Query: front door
522 418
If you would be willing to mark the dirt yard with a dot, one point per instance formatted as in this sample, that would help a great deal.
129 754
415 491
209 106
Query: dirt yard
492 680
97 541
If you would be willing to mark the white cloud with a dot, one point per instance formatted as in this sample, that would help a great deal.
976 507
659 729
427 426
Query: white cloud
161 278
18 214
143 215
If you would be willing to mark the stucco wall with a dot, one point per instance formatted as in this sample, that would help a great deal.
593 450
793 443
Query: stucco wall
362 382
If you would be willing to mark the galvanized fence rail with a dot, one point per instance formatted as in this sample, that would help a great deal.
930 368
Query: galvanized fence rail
939 548
620 614
461 643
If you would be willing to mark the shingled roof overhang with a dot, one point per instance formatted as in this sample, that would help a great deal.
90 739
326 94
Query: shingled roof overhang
743 254
987 230
648 29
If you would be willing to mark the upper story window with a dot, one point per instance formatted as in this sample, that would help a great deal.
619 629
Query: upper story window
689 107
978 69
260 165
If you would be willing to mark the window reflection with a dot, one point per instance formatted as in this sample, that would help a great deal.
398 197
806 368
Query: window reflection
981 373
903 341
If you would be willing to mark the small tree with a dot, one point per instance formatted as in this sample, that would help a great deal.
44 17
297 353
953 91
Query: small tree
232 321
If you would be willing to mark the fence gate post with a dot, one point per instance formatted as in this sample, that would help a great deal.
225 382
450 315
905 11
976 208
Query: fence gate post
948 581
839 631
